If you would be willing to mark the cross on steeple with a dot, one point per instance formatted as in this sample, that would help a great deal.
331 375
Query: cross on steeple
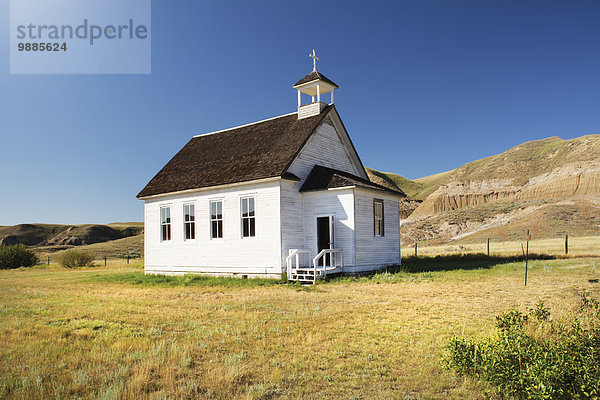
315 58
314 85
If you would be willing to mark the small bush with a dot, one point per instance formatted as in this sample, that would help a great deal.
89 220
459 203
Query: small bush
588 304
564 365
540 312
511 319
15 256
75 258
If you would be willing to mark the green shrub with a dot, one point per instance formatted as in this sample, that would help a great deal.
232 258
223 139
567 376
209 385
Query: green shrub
15 256
75 258
511 319
565 365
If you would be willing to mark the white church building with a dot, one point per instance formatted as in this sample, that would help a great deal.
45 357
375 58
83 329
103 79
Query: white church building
287 195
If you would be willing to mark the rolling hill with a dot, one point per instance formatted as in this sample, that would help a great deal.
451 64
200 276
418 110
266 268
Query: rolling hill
550 186
49 238
29 234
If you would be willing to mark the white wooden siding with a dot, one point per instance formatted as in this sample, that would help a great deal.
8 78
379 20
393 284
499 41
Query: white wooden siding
232 253
340 204
323 148
292 221
308 110
374 250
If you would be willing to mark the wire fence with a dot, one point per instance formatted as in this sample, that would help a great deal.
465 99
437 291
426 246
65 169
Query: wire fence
587 246
52 259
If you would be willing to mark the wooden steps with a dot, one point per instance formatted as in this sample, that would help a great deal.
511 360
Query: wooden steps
308 274
304 275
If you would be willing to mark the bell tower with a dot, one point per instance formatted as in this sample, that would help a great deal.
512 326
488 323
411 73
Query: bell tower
315 85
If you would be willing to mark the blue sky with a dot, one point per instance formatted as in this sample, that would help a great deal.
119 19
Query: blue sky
425 86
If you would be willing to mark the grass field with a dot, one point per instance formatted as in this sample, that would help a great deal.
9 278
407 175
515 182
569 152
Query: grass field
109 332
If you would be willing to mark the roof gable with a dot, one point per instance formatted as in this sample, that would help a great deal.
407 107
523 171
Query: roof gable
250 152
347 141
322 178
331 149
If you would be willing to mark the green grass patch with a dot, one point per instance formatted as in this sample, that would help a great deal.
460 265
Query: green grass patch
139 278
383 277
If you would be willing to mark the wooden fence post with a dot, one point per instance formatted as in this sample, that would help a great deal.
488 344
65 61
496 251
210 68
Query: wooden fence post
48 260
526 256
127 259
566 244
416 247
526 259
488 247
105 261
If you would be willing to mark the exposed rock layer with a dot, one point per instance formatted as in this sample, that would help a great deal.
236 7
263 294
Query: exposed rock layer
407 207
76 236
564 182
551 185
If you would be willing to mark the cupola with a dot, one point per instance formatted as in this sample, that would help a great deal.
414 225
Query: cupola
315 85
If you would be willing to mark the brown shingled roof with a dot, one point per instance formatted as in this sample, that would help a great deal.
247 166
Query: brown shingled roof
313 76
256 151
321 178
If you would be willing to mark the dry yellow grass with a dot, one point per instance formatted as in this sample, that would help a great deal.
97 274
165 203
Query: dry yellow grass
578 247
66 335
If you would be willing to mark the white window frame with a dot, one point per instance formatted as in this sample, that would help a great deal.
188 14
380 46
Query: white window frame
211 220
378 222
166 222
192 222
249 218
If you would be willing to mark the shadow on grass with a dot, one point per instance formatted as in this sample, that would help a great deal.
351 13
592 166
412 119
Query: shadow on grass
459 261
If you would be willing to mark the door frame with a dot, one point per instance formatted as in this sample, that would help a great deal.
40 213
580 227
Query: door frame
331 217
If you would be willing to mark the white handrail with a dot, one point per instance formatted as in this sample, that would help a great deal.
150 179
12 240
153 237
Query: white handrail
288 261
316 260
333 260
294 255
